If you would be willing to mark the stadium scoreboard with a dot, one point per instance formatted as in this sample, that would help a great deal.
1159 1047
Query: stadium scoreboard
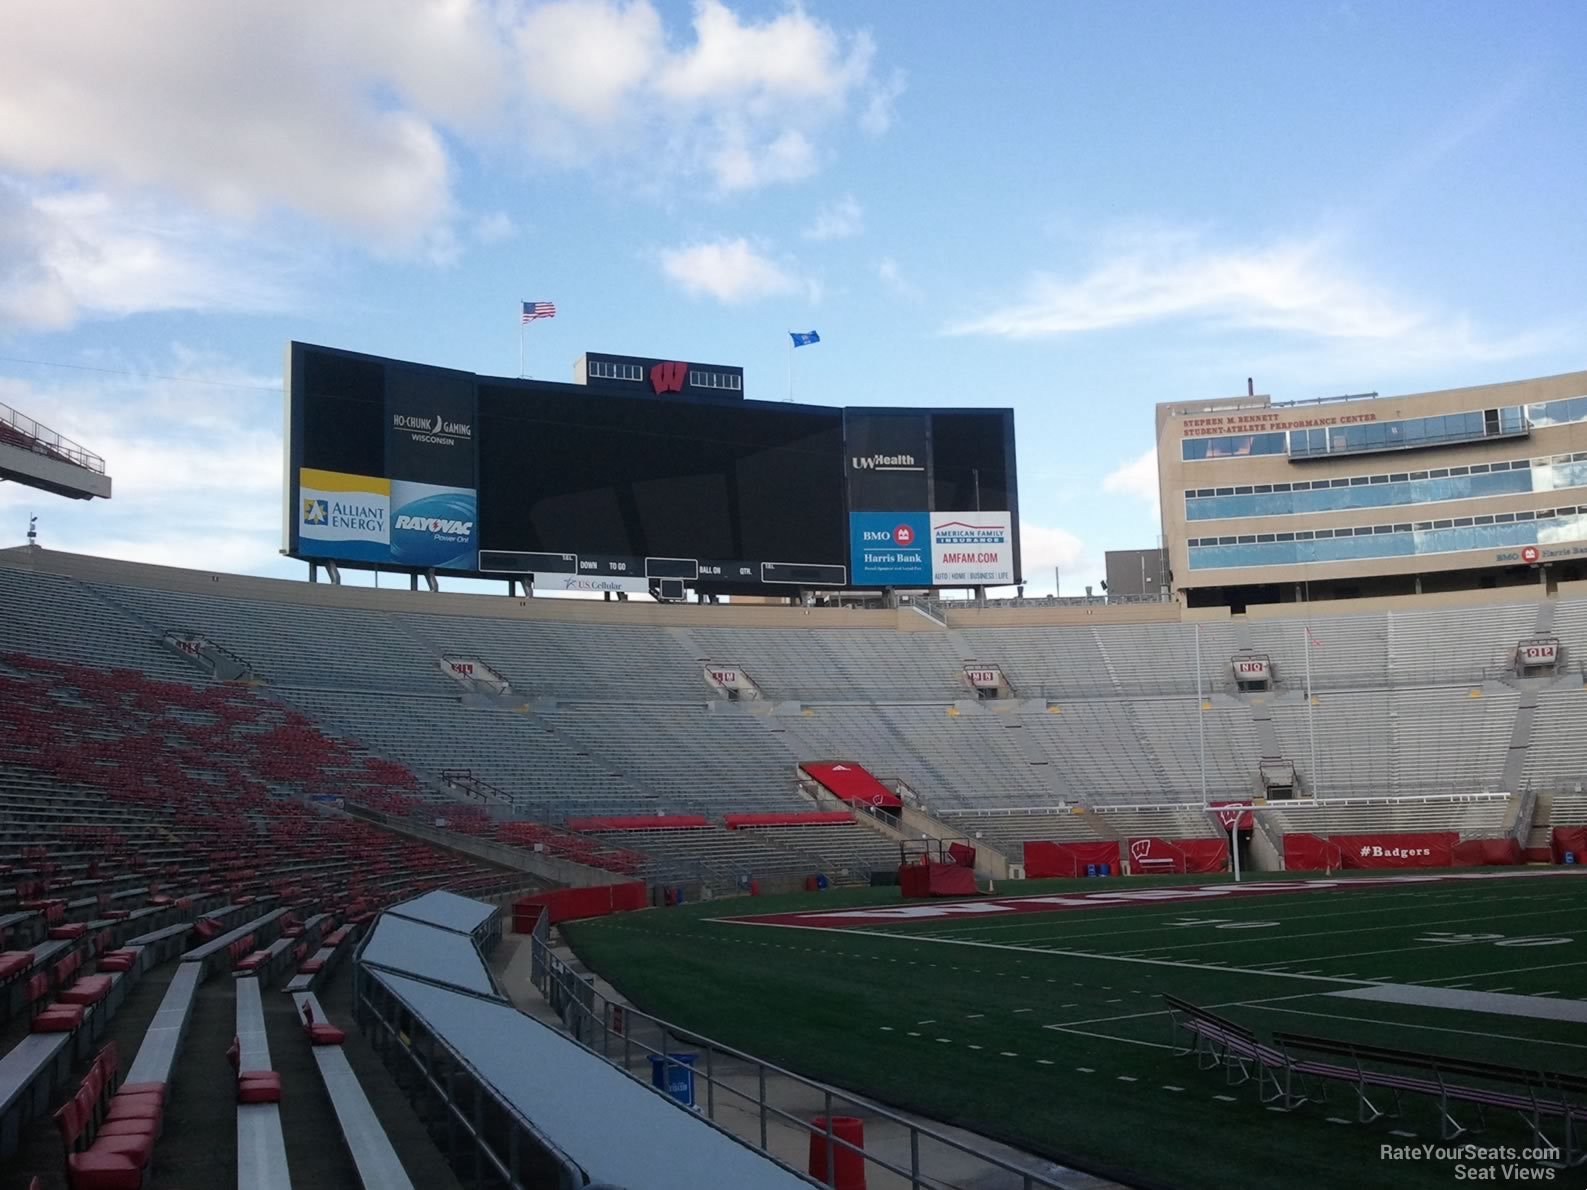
646 471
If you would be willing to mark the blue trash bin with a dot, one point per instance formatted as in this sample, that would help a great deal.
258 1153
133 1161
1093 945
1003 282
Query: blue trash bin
821 883
1091 870
1570 857
675 1077
1106 869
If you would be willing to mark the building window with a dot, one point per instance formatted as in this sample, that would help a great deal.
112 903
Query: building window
1386 490
726 380
605 369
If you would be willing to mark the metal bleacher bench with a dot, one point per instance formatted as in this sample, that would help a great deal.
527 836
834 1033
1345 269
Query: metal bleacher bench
205 954
1538 1096
28 1074
1220 1043
261 1146
319 964
163 1039
1285 1077
367 1143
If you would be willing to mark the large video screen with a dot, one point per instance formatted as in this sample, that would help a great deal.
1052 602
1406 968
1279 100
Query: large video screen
403 466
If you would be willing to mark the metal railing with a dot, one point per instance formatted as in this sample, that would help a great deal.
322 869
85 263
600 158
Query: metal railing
623 1035
45 441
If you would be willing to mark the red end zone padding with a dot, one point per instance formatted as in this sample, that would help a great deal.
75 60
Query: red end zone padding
1428 849
936 880
811 818
1478 853
851 782
637 822
1572 839
1067 859
1178 855
565 903
1309 853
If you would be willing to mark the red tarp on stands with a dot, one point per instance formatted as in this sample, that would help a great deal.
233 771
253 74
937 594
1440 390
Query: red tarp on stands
1068 859
851 782
637 822
1478 853
936 880
1426 849
565 903
1572 839
1178 855
962 854
809 818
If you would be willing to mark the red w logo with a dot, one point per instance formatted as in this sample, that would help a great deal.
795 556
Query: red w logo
668 378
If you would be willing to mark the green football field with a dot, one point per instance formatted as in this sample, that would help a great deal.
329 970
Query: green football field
1045 1028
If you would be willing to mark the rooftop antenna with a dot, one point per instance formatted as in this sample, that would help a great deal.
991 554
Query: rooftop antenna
1250 386
33 530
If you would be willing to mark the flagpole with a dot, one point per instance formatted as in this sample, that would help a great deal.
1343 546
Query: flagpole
1311 712
520 342
790 367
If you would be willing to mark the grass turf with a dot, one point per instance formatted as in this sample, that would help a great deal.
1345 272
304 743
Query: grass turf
955 1018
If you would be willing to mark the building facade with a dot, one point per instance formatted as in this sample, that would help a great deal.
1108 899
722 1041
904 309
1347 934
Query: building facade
1266 501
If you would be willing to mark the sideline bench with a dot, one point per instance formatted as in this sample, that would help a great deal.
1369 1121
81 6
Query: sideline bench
367 1143
1219 1042
1536 1095
261 1147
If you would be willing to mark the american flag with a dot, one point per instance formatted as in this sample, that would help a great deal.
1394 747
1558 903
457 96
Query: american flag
533 310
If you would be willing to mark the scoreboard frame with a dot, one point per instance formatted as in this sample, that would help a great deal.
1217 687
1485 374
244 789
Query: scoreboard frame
386 468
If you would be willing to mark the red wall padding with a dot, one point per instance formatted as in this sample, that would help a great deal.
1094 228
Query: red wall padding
851 782
1477 853
962 854
1309 853
810 818
1068 859
637 822
1181 855
936 880
1426 849
1570 838
564 904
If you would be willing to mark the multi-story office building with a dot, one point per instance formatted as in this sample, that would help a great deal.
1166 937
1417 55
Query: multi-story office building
1267 501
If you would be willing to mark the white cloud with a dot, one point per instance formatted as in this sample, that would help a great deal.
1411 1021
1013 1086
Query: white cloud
837 220
1136 479
1044 548
729 270
877 116
195 462
742 102
1296 287
494 228
888 273
350 114
66 255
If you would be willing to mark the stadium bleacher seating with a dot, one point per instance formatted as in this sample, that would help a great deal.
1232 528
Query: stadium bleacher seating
606 716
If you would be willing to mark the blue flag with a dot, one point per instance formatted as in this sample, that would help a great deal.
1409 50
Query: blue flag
804 338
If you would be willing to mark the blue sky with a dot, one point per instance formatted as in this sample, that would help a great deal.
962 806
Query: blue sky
1074 209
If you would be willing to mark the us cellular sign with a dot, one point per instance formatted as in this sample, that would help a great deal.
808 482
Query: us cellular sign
971 549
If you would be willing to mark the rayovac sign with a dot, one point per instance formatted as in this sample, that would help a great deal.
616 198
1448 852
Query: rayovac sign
368 519
971 549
